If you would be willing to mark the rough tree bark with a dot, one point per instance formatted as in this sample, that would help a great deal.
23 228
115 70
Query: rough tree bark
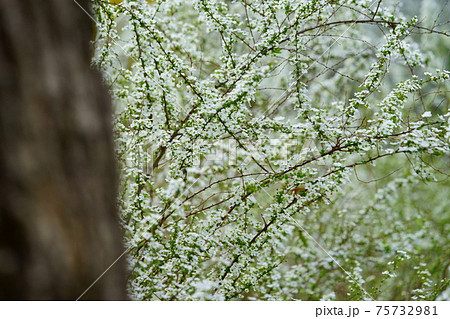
58 224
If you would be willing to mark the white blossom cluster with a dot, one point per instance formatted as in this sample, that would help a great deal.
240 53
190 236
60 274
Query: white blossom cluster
241 127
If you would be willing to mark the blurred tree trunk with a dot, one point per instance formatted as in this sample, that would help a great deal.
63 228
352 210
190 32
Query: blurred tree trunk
59 228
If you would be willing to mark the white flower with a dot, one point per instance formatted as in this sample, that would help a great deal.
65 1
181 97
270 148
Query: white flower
426 114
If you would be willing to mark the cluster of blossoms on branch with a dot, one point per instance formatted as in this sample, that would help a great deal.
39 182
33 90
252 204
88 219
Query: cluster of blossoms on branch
240 128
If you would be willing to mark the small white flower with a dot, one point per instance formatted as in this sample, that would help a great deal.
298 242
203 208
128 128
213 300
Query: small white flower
426 114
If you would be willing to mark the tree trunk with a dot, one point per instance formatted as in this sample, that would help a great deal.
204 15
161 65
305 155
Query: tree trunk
59 227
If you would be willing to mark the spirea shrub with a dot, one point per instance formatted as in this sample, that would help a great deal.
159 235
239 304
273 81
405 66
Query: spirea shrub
280 149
